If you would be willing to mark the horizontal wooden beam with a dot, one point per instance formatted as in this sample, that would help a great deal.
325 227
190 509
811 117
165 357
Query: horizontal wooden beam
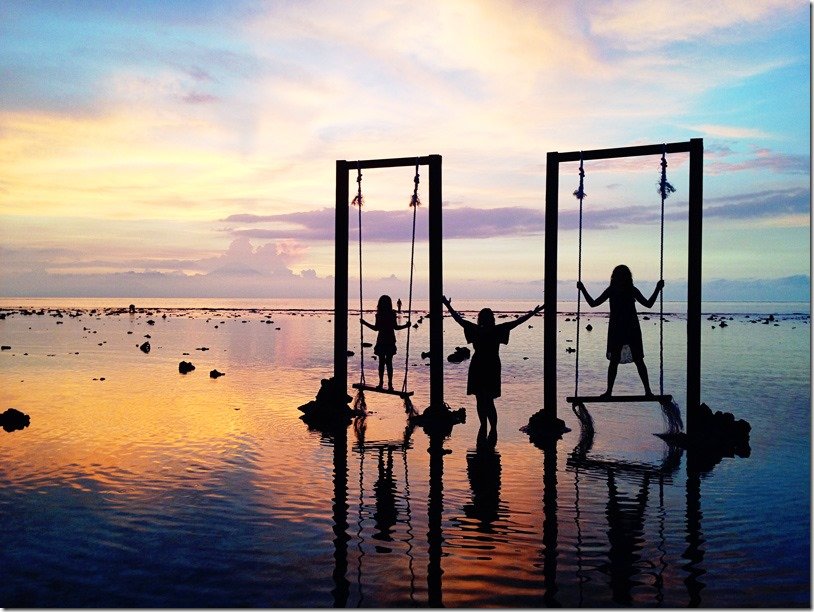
395 162
596 399
634 151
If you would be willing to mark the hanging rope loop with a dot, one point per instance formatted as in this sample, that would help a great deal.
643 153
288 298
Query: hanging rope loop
414 201
665 189
357 201
414 204
580 195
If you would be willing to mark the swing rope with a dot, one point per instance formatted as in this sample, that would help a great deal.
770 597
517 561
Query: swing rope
665 189
580 195
414 204
359 402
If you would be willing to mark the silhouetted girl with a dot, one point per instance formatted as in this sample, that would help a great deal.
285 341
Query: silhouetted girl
484 371
385 348
624 333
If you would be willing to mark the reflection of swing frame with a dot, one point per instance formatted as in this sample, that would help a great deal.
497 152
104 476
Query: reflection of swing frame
695 147
343 168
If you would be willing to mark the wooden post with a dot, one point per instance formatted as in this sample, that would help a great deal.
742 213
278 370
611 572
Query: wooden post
436 285
550 287
694 280
341 283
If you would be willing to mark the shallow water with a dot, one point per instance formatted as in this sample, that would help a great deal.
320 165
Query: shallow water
152 488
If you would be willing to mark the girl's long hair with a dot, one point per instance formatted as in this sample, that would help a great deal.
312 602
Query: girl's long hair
385 305
622 278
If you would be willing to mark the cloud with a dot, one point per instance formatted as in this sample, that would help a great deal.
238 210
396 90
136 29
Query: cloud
771 204
645 24
764 159
728 131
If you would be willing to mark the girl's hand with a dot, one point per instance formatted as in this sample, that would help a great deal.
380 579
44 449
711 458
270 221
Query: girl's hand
660 284
538 308
446 301
580 286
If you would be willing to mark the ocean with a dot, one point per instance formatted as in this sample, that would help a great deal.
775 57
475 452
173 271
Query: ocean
137 486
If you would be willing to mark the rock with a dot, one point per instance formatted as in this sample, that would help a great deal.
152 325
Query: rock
425 354
13 420
461 353
185 367
569 349
145 348
589 327
350 353
366 344
216 374
150 322
5 347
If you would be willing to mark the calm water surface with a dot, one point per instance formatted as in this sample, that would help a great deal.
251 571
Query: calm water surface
152 488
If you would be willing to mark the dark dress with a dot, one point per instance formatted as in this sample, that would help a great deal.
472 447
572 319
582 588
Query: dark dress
624 332
484 369
386 340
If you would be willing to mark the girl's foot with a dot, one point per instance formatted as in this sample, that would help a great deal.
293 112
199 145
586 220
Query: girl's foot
380 385
389 386
607 393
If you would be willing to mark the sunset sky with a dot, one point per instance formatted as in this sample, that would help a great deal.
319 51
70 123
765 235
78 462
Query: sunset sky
188 149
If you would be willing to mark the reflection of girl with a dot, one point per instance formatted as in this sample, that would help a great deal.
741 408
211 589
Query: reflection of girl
624 334
484 370
385 346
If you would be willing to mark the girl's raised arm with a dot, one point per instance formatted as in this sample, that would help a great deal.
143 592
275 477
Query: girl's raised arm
525 317
373 327
593 303
648 303
458 318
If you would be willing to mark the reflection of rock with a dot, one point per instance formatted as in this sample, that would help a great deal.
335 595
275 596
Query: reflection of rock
425 354
367 344
216 374
5 347
132 308
589 327
461 354
145 348
185 367
12 420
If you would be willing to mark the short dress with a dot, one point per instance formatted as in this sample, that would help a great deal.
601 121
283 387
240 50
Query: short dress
624 332
484 369
386 340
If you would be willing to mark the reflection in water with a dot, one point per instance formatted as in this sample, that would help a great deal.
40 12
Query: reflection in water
694 553
435 508
386 514
550 527
626 515
626 537
483 470
340 518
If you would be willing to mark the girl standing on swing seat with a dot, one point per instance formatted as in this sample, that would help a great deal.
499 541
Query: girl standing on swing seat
483 380
386 324
624 334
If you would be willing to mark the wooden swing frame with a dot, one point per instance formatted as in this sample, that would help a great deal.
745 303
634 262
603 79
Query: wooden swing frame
695 148
341 247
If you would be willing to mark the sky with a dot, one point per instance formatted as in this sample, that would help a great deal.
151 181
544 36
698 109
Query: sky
188 148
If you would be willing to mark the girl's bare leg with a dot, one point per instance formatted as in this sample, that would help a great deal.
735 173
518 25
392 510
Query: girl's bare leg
643 375
389 363
381 371
613 366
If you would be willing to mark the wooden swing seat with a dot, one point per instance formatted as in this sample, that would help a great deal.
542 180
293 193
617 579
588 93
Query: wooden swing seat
596 399
401 394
